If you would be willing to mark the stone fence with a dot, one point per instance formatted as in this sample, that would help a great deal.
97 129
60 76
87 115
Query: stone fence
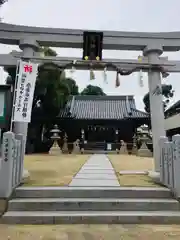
11 163
170 163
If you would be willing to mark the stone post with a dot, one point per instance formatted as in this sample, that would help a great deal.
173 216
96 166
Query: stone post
6 168
134 149
162 140
28 46
176 164
21 157
156 105
76 148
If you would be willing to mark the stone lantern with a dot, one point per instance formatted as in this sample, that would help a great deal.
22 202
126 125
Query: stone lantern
55 150
143 137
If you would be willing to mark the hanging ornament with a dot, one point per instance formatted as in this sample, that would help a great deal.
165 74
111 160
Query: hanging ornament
105 75
117 79
63 75
164 74
92 75
140 58
73 69
141 84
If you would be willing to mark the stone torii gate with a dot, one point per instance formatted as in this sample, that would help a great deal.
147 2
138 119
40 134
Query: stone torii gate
152 46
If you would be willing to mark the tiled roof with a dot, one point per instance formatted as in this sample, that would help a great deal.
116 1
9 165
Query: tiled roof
173 107
102 107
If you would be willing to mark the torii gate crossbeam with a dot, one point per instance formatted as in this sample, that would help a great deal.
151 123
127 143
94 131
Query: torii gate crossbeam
9 60
73 38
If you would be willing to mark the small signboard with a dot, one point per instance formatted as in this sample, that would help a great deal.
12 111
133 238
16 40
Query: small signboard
5 106
2 105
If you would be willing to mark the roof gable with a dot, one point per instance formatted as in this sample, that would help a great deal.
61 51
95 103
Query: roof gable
102 107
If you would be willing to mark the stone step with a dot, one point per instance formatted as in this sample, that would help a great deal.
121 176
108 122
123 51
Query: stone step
92 192
94 217
93 204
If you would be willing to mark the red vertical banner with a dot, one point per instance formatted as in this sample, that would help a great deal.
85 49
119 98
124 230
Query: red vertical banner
25 85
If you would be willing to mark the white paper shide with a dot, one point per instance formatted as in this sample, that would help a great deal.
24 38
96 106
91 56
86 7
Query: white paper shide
24 92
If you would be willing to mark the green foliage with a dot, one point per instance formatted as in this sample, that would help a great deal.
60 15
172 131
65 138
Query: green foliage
52 88
11 75
48 51
2 2
93 90
73 88
167 93
51 93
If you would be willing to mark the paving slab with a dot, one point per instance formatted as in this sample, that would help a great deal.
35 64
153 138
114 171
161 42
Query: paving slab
97 171
94 183
130 172
97 168
96 176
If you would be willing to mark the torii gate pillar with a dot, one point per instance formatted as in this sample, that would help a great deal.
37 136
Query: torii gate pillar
29 48
156 103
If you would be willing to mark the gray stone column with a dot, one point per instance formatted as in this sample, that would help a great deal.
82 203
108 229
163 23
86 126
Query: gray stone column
29 47
156 103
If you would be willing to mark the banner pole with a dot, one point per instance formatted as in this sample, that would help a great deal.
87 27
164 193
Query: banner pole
14 94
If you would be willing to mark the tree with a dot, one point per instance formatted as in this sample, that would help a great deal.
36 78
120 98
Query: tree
48 51
92 90
73 88
51 94
52 88
2 2
167 93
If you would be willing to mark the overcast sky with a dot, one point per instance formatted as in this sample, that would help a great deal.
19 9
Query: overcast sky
120 15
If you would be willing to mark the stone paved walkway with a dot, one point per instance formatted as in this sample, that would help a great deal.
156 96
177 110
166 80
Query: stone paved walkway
97 171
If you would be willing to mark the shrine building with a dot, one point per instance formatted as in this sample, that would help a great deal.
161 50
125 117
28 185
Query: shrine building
101 119
172 119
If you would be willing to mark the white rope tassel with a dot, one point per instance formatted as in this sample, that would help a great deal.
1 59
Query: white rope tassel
105 75
141 84
92 75
73 69
63 75
117 80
